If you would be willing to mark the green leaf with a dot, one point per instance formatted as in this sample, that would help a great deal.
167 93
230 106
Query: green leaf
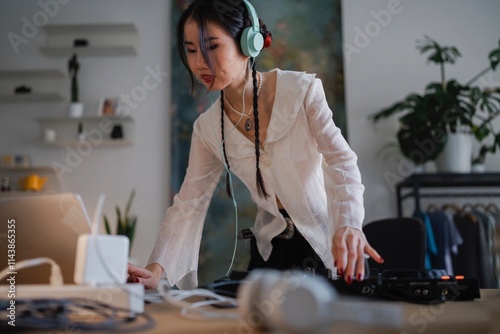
129 202
106 225
494 58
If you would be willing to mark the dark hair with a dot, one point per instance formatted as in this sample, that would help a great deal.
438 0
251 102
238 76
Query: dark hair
231 16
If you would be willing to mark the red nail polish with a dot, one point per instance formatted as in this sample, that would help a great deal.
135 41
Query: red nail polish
136 280
349 280
340 271
360 277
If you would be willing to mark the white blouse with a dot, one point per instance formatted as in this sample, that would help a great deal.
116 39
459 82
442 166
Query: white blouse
305 162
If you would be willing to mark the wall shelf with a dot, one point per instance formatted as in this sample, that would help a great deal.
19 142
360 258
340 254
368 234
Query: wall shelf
47 85
98 131
52 185
90 40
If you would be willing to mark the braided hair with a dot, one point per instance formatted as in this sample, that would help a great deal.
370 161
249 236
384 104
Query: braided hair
261 188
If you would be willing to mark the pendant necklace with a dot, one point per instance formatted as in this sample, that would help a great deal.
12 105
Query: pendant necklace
248 122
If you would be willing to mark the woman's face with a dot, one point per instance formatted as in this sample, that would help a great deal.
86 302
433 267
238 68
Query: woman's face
229 63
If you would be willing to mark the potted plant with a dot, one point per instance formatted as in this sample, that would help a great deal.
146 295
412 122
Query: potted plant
75 107
125 224
446 110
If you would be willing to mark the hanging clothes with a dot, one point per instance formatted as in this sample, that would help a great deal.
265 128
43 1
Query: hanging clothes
430 243
447 239
489 230
495 213
473 258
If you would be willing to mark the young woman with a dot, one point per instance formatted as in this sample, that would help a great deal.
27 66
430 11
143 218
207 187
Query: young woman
274 131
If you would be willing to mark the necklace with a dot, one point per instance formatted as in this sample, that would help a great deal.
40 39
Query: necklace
248 122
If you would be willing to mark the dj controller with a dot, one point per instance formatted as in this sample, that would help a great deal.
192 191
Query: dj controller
417 286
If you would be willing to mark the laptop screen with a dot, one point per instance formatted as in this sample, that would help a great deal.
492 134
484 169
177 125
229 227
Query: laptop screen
44 226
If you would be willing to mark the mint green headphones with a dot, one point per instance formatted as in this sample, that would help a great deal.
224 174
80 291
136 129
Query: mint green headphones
252 40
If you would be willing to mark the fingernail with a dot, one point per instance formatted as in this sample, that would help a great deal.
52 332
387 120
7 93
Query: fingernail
382 260
136 280
340 271
349 280
360 277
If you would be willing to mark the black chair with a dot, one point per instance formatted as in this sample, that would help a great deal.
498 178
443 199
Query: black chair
400 242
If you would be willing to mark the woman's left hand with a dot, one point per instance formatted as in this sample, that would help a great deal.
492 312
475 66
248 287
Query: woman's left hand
349 249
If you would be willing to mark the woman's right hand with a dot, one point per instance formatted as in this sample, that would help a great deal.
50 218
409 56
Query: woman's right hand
149 276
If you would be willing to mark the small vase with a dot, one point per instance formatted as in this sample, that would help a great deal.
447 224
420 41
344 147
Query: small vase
75 109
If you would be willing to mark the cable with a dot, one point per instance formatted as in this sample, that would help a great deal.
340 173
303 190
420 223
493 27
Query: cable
197 310
56 277
230 178
73 314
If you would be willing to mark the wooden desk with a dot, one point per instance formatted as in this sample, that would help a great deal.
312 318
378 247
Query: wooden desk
478 316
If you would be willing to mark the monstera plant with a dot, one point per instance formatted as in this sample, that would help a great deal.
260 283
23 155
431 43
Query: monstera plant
445 107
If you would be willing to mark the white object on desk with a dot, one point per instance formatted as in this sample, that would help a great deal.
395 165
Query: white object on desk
101 259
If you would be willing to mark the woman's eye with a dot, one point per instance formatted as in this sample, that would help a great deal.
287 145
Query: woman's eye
190 51
213 47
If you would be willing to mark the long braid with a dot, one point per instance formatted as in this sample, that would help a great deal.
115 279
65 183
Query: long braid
261 189
228 188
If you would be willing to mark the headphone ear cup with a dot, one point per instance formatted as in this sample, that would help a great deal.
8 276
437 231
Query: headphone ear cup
253 296
306 303
251 42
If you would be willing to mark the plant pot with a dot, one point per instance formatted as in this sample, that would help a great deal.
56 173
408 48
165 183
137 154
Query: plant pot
75 109
456 154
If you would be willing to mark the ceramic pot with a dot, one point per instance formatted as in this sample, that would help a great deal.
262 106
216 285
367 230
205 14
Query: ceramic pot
75 109
456 155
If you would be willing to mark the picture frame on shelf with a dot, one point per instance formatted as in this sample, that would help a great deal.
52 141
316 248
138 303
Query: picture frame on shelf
109 106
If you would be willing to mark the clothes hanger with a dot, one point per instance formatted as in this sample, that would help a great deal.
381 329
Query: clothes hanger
480 206
460 210
432 207
467 207
492 207
451 206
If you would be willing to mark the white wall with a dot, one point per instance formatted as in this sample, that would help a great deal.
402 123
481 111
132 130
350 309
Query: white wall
386 66
114 171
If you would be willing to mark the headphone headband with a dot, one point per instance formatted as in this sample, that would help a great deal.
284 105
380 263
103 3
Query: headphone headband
253 16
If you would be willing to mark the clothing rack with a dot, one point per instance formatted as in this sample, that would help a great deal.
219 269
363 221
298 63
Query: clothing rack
478 185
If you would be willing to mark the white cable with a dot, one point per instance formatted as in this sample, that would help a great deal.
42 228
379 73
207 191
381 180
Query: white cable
197 310
231 188
56 277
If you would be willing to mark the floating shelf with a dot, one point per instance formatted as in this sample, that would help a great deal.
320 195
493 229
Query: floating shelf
47 85
52 185
90 40
98 130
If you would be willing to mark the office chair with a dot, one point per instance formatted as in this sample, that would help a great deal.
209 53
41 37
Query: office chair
400 242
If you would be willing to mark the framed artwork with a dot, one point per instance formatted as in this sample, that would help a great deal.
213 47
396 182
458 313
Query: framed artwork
307 37
109 106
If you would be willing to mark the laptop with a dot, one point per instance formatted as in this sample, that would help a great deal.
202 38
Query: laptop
44 226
